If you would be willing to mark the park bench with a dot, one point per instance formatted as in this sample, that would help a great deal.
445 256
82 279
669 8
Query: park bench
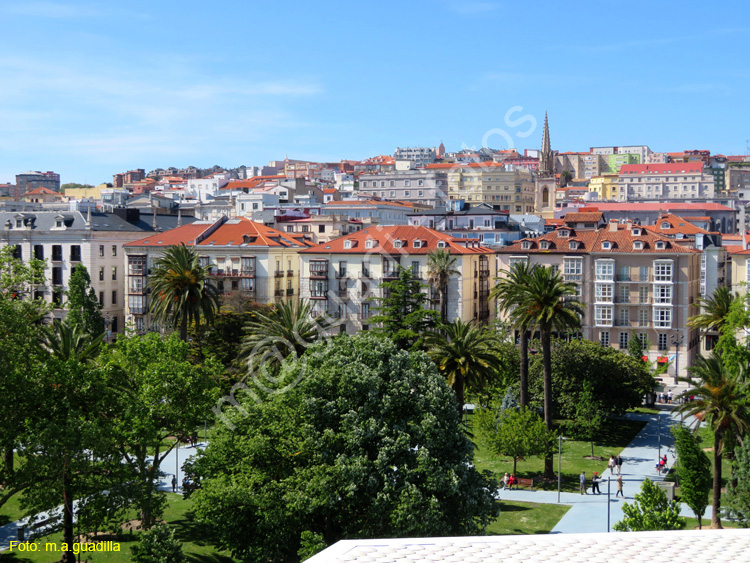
520 482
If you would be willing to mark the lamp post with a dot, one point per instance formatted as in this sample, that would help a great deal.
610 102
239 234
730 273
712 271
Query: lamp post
677 340
559 466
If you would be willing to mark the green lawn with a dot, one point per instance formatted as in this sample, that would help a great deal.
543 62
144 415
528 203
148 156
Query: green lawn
11 510
526 518
615 436
177 514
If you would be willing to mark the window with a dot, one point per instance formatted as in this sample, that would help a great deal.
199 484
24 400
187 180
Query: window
101 299
604 338
321 228
114 273
57 275
407 183
137 304
365 310
415 268
57 253
319 288
526 245
101 273
114 324
114 297
663 343
643 337
606 245
101 251
662 294
624 296
75 253
247 284
662 317
342 269
38 252
604 293
370 243
624 316
663 271
603 315
638 245
605 270
624 341
573 269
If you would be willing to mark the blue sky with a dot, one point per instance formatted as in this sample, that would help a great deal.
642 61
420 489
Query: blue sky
88 89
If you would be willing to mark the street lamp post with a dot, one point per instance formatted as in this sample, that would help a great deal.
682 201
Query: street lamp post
559 466
677 340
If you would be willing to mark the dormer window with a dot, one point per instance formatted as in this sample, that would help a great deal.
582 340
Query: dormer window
661 245
638 245
526 245
350 244
544 245
371 243
398 244
564 233
573 245
417 243
442 244
665 225
606 245
636 232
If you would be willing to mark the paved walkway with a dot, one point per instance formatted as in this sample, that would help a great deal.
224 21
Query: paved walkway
589 513
173 462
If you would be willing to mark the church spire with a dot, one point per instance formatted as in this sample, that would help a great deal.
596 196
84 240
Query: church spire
546 156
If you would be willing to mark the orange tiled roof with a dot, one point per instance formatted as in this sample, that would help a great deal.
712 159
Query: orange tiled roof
583 217
235 232
677 225
591 241
369 202
41 190
386 238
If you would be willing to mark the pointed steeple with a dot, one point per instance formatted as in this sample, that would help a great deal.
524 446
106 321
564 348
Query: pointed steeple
545 136
546 156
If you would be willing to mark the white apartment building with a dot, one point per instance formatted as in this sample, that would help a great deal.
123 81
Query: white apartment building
422 186
663 182
422 156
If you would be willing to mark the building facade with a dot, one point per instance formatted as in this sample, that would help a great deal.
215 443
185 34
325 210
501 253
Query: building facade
634 283
664 182
425 187
343 277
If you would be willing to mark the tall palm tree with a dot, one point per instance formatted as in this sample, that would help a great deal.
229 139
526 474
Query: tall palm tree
465 354
289 329
548 303
509 292
67 342
181 292
720 401
714 310
440 268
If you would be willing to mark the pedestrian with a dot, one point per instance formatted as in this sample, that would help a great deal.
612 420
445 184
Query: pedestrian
174 483
669 397
611 465
582 480
661 396
619 487
618 463
512 480
505 482
595 484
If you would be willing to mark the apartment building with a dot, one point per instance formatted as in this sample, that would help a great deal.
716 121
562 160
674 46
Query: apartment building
381 212
634 283
506 188
422 186
343 277
421 156
66 239
248 261
662 182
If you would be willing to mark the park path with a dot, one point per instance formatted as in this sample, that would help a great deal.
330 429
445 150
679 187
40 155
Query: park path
171 464
592 513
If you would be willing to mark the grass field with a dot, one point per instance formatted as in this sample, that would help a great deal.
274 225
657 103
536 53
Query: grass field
178 514
526 518
615 436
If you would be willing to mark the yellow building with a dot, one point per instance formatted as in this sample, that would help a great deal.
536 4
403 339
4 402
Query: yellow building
604 186
491 183
94 192
248 261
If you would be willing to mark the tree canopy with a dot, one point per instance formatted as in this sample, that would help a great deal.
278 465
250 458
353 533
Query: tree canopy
84 310
367 444
650 511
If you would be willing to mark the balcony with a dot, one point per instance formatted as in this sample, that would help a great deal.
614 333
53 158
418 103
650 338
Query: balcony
248 293
343 294
484 272
278 274
365 273
319 273
390 276
247 273
290 273
634 278
278 293
289 292
340 274
484 293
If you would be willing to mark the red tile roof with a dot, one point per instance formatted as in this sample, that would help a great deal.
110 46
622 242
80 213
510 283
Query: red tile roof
386 238
591 241
234 232
677 225
658 206
368 202
41 190
583 217
673 168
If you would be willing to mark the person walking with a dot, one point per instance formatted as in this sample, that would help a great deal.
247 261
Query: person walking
582 480
618 463
505 481
611 465
595 484
619 487
174 483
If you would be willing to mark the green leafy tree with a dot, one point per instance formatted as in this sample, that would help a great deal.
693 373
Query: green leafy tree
84 311
517 433
650 511
401 315
736 501
588 420
693 471
510 292
565 177
618 381
158 545
368 444
636 347
66 341
735 353
181 293
289 329
714 310
18 278
721 403
440 267
161 394
464 354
